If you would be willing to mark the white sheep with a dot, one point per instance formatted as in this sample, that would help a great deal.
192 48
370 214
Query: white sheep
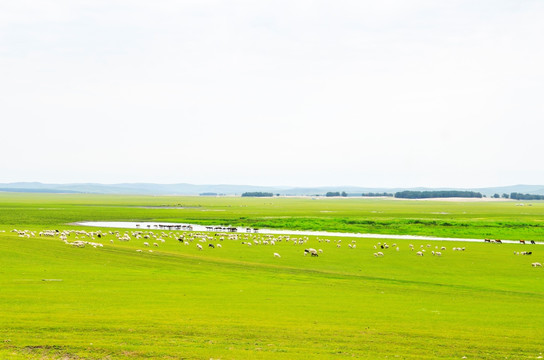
277 255
536 264
419 253
199 246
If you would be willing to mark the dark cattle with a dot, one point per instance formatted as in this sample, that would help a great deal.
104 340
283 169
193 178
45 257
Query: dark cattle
532 242
310 251
522 241
487 240
498 241
211 245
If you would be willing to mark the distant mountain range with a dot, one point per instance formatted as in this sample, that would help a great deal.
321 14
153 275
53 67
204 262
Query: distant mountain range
191 189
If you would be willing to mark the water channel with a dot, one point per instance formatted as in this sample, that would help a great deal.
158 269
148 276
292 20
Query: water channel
219 228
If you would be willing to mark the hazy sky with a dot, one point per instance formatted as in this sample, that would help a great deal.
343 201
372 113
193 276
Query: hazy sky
303 93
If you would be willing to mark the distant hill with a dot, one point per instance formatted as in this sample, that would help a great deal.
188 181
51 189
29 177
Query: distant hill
192 189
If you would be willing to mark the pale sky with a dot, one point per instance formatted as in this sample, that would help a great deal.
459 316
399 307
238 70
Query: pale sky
298 93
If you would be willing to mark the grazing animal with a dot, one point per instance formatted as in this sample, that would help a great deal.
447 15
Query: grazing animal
522 241
419 253
277 255
146 244
199 246
532 242
138 250
211 245
536 264
379 253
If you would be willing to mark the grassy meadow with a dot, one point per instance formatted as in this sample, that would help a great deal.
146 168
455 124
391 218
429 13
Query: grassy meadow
241 302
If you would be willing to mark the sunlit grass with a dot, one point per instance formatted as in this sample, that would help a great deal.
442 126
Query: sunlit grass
240 302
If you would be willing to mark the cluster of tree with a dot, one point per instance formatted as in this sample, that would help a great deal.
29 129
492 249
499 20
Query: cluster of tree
336 193
371 194
518 196
257 194
504 196
208 194
436 194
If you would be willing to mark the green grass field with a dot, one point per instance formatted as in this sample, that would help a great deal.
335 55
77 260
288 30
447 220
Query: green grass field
241 302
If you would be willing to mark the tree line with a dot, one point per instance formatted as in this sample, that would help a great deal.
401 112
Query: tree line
518 196
257 194
336 193
408 194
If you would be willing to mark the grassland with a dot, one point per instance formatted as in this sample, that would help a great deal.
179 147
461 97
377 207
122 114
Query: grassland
454 219
239 302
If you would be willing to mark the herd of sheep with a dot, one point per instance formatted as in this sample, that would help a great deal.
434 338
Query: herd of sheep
82 238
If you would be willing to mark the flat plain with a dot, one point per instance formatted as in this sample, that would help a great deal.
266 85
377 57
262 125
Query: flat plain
241 302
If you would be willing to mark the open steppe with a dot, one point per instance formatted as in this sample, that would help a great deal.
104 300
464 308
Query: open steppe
237 301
